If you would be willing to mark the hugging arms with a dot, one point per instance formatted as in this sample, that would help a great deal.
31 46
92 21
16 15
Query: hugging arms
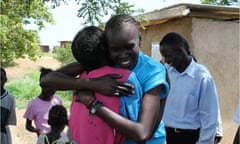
66 78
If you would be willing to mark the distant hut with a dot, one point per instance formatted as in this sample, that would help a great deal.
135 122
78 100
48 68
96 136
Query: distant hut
65 43
45 48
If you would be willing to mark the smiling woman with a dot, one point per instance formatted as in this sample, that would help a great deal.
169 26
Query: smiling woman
140 119
124 46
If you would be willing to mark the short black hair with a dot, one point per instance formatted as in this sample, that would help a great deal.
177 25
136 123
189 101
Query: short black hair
44 71
176 41
3 75
87 47
57 116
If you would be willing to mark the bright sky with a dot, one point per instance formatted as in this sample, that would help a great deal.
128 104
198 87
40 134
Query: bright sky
67 22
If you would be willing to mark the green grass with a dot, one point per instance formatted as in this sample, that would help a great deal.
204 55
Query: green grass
26 88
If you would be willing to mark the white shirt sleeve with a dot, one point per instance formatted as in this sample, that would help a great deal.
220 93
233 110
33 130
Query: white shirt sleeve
219 129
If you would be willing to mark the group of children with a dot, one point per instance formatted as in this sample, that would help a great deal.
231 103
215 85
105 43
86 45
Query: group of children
48 114
46 111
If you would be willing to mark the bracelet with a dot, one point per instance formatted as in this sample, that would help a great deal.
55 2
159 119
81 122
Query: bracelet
94 106
90 103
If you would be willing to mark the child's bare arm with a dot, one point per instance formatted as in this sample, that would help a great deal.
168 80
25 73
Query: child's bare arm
30 128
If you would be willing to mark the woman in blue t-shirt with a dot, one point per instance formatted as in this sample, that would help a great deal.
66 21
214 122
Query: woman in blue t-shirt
122 38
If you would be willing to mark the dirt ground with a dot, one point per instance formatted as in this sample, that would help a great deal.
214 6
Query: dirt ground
21 136
24 66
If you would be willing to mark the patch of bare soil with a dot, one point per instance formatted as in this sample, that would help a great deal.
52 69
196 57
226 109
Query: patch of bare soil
21 136
26 65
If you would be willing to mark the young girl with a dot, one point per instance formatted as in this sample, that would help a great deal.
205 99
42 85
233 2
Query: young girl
38 108
57 119
8 113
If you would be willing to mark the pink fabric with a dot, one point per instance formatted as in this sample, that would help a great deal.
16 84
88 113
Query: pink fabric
37 111
90 129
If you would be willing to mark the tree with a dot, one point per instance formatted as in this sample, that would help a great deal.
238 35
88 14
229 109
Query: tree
64 54
219 2
92 11
15 41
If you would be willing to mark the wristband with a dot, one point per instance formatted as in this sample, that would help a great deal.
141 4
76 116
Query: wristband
90 103
94 106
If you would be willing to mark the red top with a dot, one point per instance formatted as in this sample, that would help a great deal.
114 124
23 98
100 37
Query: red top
90 129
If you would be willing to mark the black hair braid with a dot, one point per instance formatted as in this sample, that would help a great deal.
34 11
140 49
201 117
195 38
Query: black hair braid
57 116
117 21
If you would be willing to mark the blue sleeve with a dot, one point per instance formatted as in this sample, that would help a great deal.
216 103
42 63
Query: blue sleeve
154 74
131 105
208 107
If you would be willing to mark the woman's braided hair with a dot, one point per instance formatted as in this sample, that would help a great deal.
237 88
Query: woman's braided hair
116 22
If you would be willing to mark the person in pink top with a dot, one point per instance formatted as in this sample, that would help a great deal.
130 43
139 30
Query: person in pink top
85 127
38 108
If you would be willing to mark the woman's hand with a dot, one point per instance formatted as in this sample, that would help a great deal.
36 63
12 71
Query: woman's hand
108 85
85 97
